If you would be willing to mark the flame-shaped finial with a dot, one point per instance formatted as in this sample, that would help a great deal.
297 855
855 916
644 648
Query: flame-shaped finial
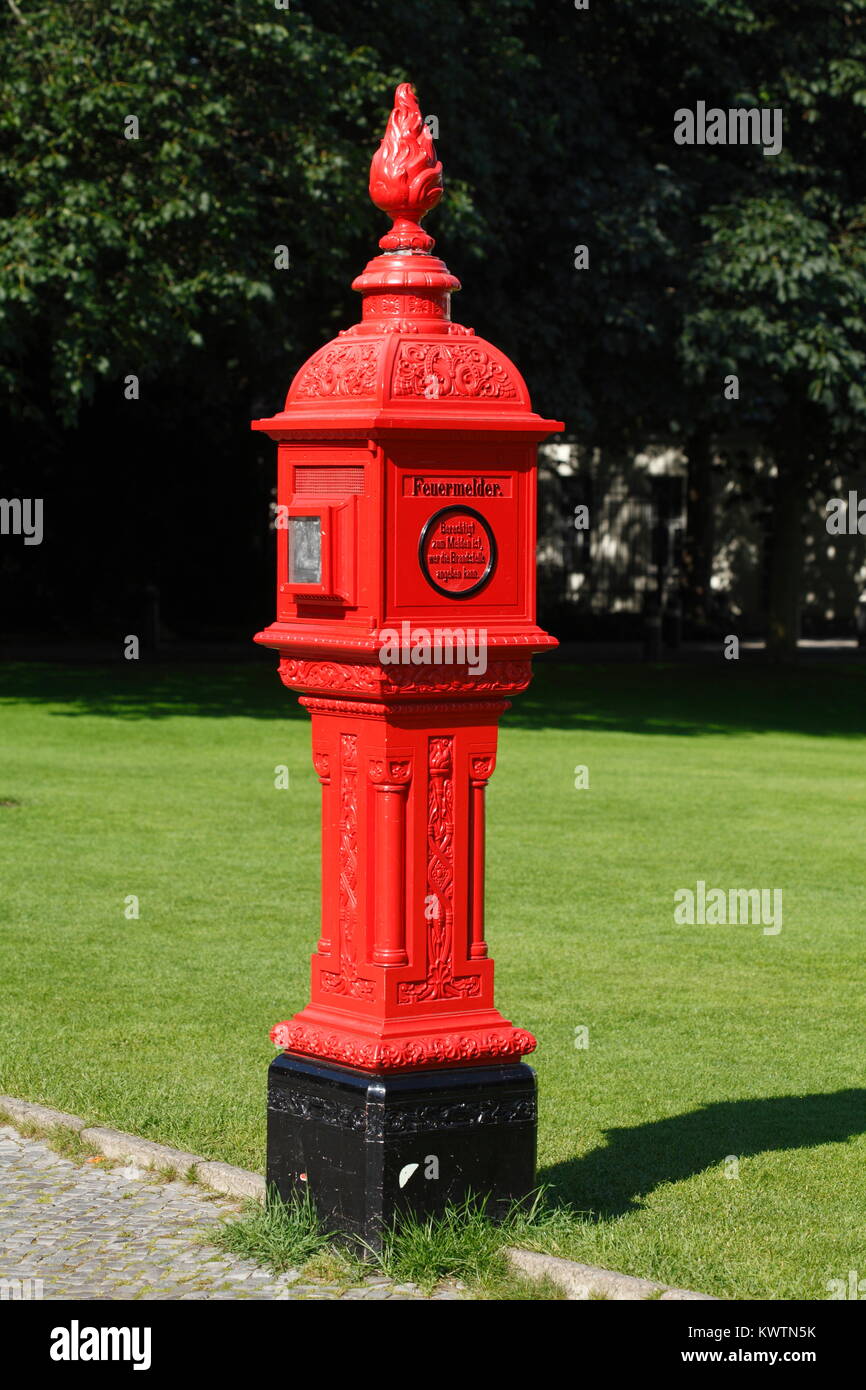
405 175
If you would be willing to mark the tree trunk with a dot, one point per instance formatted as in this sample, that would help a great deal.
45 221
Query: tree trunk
700 534
786 565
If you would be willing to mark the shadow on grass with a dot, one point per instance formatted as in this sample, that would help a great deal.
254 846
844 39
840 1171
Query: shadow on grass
150 690
613 1180
822 699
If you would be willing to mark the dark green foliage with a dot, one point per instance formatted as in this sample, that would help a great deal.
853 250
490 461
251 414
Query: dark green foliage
156 256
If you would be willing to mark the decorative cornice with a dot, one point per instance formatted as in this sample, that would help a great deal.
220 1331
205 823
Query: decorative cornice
507 676
433 1050
377 1121
361 677
370 678
317 705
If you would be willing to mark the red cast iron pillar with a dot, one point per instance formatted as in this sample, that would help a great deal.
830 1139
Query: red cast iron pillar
406 618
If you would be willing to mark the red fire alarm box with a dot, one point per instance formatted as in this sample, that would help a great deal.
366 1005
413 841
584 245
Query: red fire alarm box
406 515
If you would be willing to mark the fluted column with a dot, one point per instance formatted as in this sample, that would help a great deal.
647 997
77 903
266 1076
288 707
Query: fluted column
391 780
481 767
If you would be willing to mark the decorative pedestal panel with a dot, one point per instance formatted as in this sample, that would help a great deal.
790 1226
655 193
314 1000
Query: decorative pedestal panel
401 977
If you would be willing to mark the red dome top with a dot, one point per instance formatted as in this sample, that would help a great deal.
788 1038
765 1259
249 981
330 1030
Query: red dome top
406 364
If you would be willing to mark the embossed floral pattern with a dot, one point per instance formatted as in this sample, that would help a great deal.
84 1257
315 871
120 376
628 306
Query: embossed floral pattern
437 1050
440 981
340 369
346 980
452 369
334 676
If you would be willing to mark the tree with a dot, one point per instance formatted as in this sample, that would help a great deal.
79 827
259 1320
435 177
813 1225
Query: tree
157 256
777 289
153 157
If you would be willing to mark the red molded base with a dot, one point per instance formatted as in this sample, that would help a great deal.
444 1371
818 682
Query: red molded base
468 1040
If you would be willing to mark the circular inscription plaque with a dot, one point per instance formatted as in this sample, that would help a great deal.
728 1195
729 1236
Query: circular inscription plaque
457 551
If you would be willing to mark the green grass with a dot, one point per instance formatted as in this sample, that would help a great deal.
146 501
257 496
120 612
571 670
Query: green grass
66 1142
281 1235
704 1042
463 1244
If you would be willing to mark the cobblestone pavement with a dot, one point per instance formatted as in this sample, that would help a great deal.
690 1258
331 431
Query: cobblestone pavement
89 1232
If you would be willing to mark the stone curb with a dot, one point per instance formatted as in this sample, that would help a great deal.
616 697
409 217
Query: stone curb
587 1281
236 1182
39 1114
114 1143
578 1281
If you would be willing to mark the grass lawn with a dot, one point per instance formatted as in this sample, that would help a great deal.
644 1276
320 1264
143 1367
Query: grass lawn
712 1134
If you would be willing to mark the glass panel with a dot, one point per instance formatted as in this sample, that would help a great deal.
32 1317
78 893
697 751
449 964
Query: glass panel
305 550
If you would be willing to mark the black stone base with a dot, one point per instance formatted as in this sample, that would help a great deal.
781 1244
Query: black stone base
353 1137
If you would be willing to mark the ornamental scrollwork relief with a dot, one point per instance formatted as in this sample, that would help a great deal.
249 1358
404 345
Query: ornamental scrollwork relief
461 370
340 369
429 1050
346 980
393 771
